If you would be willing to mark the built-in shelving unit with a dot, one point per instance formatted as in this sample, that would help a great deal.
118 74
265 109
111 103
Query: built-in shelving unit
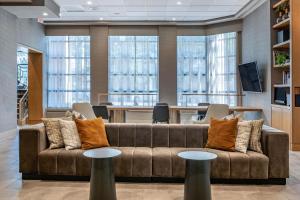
285 71
282 45
283 24
281 85
278 3
283 66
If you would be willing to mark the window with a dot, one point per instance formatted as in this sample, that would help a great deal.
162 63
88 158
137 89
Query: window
206 69
133 70
68 70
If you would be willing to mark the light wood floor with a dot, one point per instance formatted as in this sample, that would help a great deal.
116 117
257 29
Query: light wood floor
12 187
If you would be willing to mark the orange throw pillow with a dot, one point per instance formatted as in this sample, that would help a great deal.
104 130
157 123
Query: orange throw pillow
92 133
222 134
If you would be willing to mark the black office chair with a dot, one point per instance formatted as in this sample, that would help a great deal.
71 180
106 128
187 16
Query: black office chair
106 104
161 114
161 104
101 111
201 114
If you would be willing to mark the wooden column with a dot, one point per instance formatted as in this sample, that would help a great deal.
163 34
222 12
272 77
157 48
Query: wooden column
35 87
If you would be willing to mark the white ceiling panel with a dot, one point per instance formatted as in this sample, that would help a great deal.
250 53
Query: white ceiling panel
148 10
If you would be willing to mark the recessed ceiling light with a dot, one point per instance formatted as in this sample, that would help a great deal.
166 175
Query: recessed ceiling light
178 3
89 2
101 18
45 14
174 19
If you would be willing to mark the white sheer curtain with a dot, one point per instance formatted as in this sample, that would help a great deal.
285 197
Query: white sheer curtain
191 70
133 70
68 70
206 69
222 68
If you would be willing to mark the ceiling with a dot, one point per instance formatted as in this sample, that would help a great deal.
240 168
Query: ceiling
148 10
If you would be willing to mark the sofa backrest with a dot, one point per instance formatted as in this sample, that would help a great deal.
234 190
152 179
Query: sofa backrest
157 135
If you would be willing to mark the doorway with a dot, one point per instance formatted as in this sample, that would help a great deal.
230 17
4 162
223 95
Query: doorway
29 85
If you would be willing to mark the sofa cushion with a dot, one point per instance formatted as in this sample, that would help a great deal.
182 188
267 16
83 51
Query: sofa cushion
112 131
123 163
196 135
143 137
127 135
133 162
236 165
259 165
162 162
48 161
177 135
220 167
142 162
160 135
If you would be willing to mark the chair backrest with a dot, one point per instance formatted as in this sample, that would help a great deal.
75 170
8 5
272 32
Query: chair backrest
106 104
161 104
217 111
101 111
161 114
203 112
85 109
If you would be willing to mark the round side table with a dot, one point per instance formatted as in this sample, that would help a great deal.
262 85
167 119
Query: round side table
197 174
102 182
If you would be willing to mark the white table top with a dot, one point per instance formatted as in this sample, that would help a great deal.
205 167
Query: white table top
102 153
197 155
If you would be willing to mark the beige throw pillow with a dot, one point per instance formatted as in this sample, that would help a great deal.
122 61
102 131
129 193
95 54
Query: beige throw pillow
243 136
53 132
70 134
255 144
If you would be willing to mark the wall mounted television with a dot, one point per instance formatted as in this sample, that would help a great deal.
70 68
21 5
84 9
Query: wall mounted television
250 78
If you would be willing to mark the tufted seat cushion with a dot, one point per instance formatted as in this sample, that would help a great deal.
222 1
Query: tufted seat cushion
155 162
236 165
133 162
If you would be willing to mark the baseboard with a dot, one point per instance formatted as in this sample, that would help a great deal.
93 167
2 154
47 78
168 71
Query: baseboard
272 181
295 147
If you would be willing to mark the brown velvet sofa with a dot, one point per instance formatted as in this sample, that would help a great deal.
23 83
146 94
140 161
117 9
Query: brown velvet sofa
150 151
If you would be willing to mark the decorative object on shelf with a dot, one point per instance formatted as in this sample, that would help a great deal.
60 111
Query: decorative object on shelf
286 8
286 77
283 11
281 58
283 35
279 11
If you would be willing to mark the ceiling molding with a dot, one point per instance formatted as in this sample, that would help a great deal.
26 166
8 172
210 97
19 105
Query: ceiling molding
242 13
15 1
36 9
249 8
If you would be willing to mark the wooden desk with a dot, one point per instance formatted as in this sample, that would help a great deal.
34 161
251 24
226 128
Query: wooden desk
118 115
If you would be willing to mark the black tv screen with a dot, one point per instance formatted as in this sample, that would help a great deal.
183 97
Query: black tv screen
250 77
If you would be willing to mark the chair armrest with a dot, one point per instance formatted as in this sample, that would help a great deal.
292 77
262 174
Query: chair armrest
33 140
275 144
